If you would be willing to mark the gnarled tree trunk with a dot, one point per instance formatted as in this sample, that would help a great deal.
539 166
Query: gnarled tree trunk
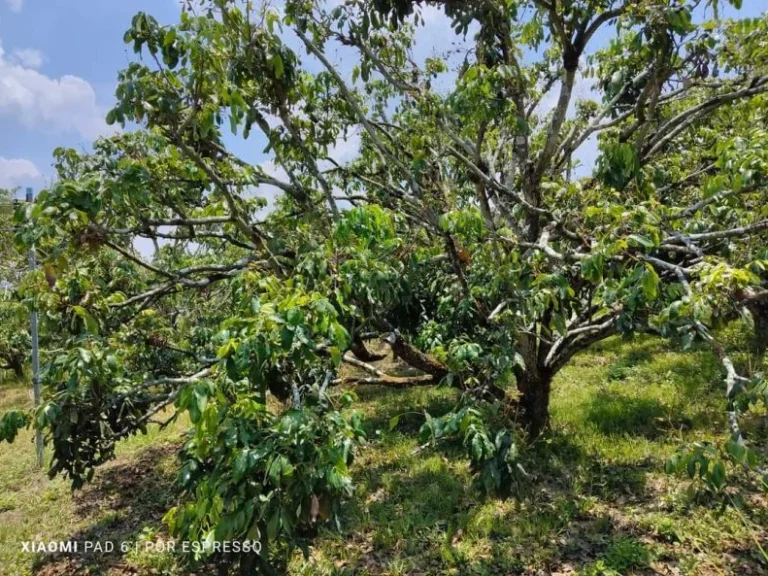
16 364
759 311
534 387
360 350
533 382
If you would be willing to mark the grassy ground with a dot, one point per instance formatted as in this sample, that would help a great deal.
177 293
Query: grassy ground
598 502
126 495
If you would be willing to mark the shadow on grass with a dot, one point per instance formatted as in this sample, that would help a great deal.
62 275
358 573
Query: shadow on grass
593 546
617 413
125 497
431 523
9 380
697 373
408 405
567 470
686 402
401 512
418 513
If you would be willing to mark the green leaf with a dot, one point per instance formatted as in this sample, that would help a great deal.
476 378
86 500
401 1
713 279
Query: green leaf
170 37
277 66
89 322
559 322
335 355
736 450
477 448
294 316
338 335
638 240
650 283
11 423
718 475
273 525
201 398
225 349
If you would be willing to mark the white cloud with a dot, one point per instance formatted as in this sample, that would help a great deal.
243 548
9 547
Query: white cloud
17 172
28 57
58 105
15 5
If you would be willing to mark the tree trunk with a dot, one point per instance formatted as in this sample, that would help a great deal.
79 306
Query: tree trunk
360 350
416 358
18 368
534 401
16 364
759 311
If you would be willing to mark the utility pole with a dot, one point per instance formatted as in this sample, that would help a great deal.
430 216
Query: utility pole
35 354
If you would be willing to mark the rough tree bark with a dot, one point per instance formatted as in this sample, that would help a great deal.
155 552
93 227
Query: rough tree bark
534 383
759 311
17 365
360 350
534 400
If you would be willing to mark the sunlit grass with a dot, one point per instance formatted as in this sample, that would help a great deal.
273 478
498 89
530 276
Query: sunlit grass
597 503
598 500
35 508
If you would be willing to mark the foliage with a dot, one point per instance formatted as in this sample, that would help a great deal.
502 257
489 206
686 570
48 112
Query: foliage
11 262
10 425
14 335
494 454
706 464
15 343
459 233
253 476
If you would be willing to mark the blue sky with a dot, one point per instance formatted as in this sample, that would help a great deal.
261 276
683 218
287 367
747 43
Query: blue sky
58 67
59 61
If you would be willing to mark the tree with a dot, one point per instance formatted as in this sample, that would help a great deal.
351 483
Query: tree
14 335
470 244
14 338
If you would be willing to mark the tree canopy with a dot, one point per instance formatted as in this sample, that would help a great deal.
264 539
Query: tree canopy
14 321
468 232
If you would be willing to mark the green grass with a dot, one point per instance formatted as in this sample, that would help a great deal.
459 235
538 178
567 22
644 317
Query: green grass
597 503
127 494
